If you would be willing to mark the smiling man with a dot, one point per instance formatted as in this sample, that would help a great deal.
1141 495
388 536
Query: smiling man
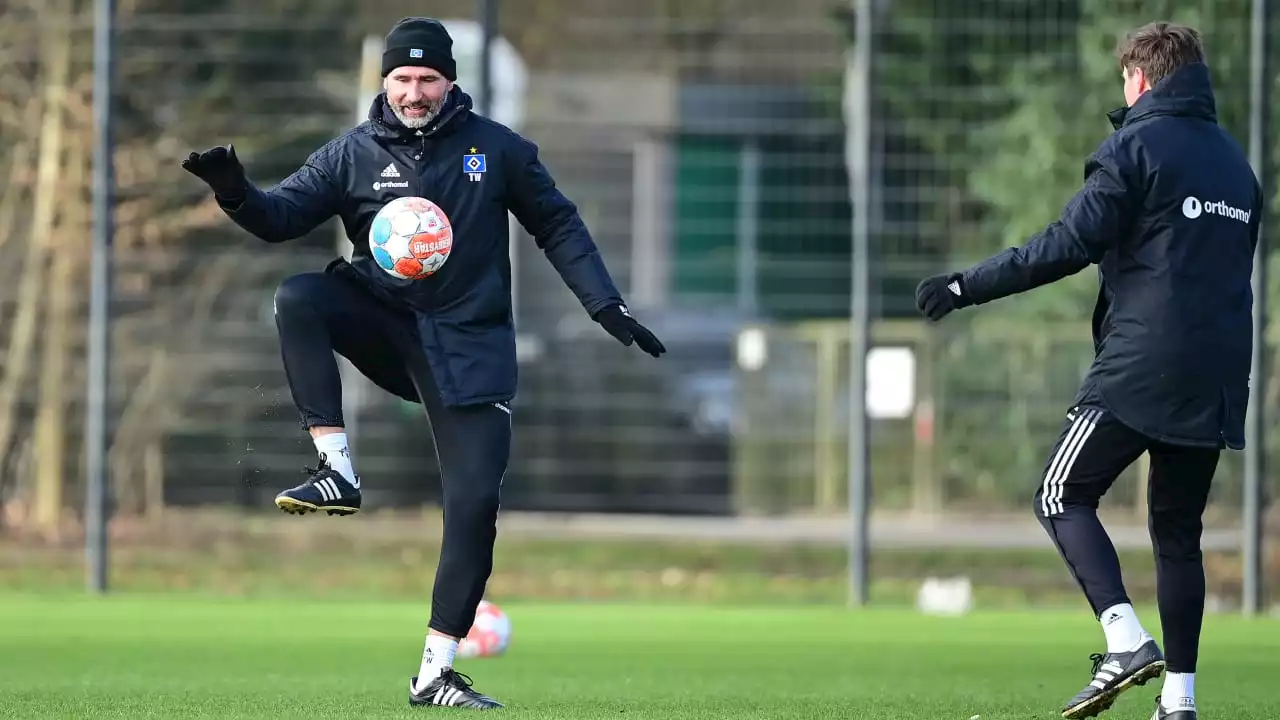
447 340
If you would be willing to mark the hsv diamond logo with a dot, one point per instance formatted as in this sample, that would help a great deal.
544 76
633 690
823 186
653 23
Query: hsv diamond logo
473 165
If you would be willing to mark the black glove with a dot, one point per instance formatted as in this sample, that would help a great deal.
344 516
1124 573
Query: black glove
221 170
937 296
617 321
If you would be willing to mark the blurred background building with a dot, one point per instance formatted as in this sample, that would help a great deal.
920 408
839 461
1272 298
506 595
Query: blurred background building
704 142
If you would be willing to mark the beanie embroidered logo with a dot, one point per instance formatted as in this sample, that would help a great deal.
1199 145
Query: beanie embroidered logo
420 42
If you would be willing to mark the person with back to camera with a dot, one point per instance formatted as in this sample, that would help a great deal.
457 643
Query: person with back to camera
1170 212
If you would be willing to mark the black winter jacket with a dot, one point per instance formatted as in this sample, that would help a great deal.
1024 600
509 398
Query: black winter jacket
464 310
1170 211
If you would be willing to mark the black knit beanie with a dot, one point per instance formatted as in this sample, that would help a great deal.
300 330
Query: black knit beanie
420 42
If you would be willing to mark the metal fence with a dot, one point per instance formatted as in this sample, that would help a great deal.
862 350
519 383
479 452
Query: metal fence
705 145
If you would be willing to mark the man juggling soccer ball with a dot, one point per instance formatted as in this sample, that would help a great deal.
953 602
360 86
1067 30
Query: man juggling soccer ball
423 309
1169 211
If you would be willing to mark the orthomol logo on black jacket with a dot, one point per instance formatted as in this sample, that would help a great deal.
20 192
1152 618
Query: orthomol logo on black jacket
1193 208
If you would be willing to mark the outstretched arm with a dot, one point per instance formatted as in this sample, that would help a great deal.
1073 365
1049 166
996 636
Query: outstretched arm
295 207
553 221
1091 223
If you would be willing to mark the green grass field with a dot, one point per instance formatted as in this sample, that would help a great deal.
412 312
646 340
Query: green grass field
182 656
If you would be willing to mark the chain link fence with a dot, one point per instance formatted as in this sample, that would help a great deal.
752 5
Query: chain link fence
704 143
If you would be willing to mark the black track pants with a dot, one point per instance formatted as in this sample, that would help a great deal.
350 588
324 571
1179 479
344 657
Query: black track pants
1093 449
318 314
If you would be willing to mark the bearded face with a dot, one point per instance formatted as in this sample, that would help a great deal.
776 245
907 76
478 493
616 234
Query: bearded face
416 94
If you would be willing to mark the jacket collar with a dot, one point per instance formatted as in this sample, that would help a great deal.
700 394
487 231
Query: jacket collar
457 106
1187 92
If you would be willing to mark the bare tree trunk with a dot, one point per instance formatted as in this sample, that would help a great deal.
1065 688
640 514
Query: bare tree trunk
56 66
21 467
11 199
136 422
153 474
51 417
154 402
51 177
11 203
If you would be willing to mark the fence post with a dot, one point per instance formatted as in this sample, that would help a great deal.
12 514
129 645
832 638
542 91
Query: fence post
98 391
860 152
1255 468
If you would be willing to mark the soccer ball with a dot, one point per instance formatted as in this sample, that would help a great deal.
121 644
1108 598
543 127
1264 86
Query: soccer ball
411 238
489 635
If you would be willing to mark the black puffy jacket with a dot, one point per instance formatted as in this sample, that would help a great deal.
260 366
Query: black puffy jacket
463 310
1169 211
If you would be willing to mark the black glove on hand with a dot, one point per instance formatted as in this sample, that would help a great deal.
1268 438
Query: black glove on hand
937 296
617 321
221 170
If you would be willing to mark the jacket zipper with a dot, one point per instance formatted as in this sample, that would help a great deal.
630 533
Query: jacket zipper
420 156
419 163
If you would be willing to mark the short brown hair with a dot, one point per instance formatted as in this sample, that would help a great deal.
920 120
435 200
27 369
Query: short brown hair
1159 48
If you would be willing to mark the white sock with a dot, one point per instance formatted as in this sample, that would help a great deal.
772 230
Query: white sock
1124 632
334 447
437 655
1179 692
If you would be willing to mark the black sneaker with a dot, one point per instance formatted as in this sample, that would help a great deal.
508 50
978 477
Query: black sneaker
1113 673
1180 714
325 490
451 689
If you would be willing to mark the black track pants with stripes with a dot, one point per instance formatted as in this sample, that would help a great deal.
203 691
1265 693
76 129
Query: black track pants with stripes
1093 449
318 314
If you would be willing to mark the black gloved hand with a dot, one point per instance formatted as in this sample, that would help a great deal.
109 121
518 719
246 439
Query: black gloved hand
937 296
221 170
617 321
